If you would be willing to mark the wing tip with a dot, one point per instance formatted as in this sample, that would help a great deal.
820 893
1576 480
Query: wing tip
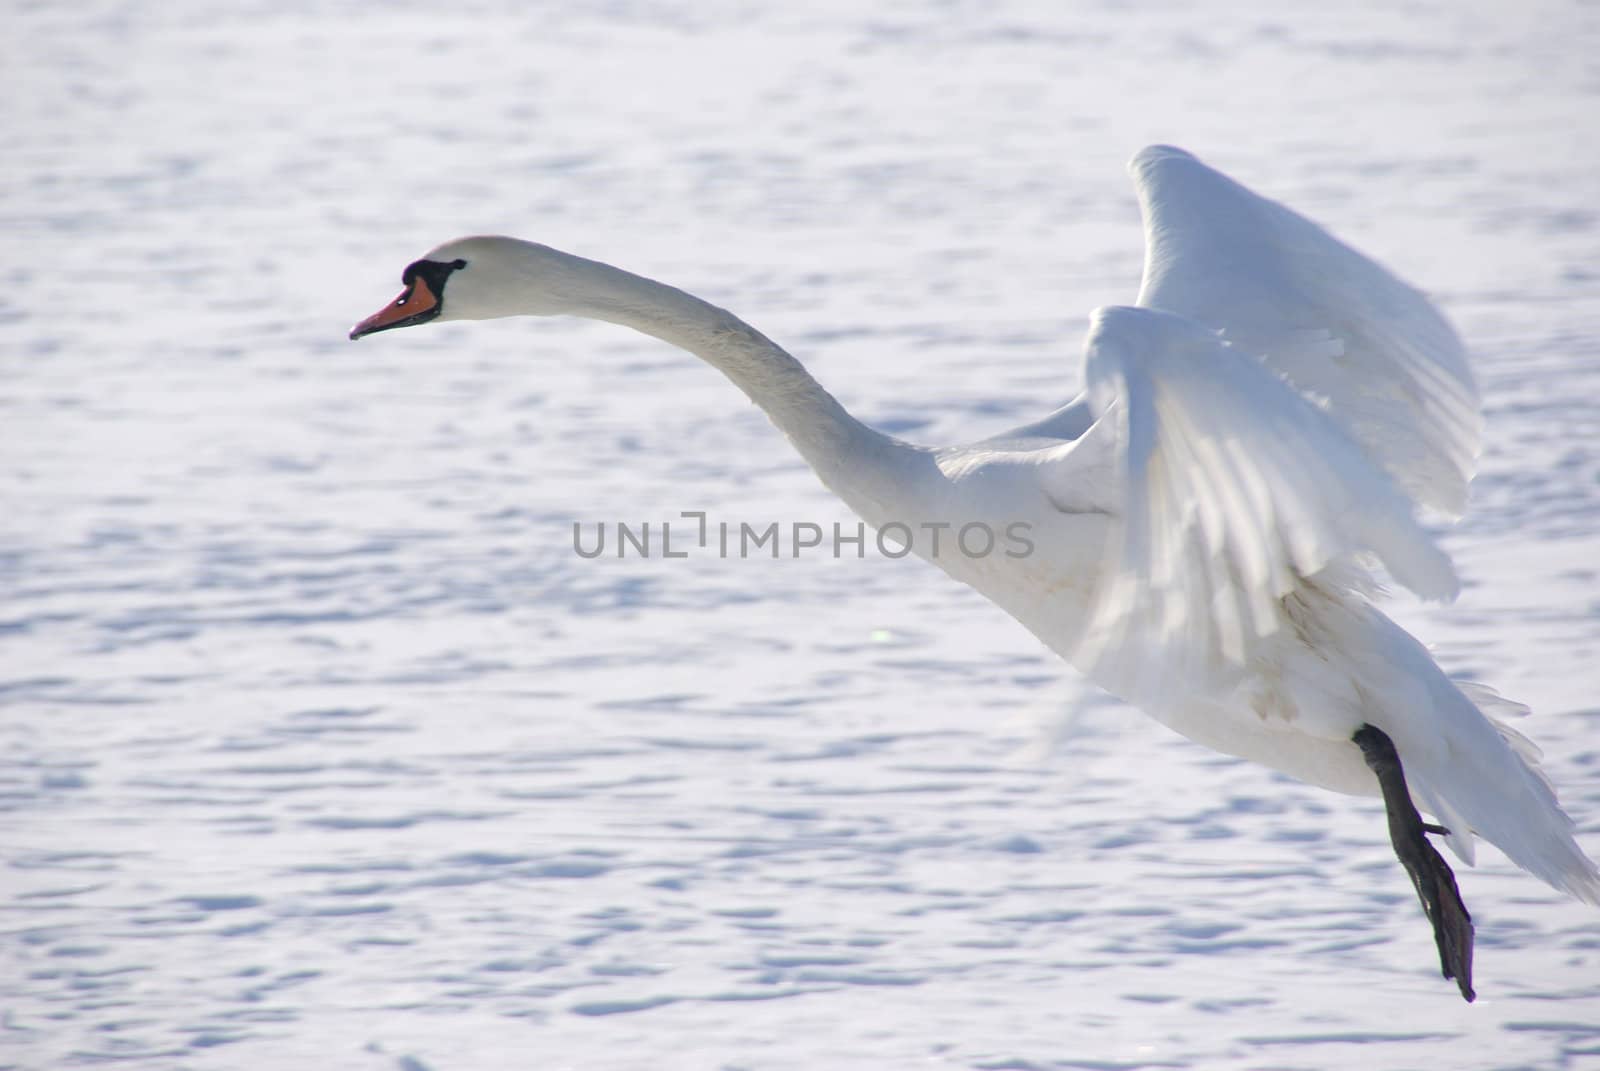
1157 167
1151 155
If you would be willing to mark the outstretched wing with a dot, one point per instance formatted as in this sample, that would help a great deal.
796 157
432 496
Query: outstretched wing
1235 489
1381 360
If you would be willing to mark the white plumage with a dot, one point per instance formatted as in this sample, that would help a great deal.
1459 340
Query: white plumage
1257 433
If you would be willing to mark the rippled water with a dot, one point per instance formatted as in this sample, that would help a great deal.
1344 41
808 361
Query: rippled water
321 748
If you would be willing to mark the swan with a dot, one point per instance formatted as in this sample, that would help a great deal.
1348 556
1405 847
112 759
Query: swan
1258 432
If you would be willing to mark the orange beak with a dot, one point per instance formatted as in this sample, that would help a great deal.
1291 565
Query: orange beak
416 304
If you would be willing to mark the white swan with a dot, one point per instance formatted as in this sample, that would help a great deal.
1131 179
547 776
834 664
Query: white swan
1265 422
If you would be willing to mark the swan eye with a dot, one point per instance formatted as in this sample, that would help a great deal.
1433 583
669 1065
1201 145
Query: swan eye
435 271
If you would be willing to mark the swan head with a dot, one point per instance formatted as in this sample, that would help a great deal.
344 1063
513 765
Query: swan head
478 278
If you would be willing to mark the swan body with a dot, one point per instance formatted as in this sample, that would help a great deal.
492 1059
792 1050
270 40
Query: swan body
1258 430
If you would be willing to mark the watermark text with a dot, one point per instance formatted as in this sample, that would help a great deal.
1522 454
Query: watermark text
702 536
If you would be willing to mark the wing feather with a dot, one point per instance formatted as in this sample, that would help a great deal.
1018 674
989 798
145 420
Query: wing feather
1237 488
1373 350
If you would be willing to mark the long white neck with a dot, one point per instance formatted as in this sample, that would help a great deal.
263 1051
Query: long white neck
870 470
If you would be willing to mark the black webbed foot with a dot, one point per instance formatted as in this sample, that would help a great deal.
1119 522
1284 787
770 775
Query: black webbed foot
1434 881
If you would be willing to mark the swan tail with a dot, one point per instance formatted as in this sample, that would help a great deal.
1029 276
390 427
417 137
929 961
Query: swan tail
1478 775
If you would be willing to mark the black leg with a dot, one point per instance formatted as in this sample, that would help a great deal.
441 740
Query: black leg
1436 885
